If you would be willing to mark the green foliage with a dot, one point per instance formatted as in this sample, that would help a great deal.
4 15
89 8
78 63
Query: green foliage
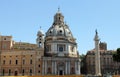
116 55
82 56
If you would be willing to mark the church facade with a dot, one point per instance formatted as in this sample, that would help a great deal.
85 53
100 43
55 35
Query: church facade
60 56
55 53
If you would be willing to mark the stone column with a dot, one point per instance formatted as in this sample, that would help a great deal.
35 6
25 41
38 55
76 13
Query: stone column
69 67
55 68
97 55
52 67
75 67
43 68
66 68
78 69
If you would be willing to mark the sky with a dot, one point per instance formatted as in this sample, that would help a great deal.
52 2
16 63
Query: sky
22 19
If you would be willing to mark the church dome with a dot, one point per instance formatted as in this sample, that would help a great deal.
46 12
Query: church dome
59 40
59 28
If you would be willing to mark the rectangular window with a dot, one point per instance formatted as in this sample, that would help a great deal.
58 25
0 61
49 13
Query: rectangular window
30 72
10 62
4 46
30 61
61 47
48 48
23 71
23 62
3 61
16 62
38 65
39 71
9 72
3 72
72 48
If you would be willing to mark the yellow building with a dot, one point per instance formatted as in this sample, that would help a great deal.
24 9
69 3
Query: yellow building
19 58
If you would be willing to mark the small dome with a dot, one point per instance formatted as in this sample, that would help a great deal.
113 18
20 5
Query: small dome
40 32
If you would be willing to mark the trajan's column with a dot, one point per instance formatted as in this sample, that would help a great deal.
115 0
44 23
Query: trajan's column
97 55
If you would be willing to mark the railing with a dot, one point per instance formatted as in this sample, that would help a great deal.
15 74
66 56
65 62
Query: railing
48 76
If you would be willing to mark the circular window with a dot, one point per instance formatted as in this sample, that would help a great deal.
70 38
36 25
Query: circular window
60 31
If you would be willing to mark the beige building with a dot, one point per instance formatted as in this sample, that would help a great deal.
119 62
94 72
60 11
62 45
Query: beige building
106 61
54 54
19 58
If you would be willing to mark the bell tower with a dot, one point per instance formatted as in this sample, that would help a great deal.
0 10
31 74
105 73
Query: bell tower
40 39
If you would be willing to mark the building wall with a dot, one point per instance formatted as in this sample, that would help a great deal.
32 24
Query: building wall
6 42
106 61
53 66
20 58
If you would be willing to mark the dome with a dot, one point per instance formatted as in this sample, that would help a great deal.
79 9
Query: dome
40 32
59 28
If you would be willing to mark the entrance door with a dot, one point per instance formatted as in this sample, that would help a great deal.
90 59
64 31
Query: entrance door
61 72
16 73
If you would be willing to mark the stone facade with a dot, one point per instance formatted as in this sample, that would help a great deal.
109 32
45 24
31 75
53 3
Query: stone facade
18 58
55 53
106 61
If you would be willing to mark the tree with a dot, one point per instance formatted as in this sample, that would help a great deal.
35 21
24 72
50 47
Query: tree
116 55
83 64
